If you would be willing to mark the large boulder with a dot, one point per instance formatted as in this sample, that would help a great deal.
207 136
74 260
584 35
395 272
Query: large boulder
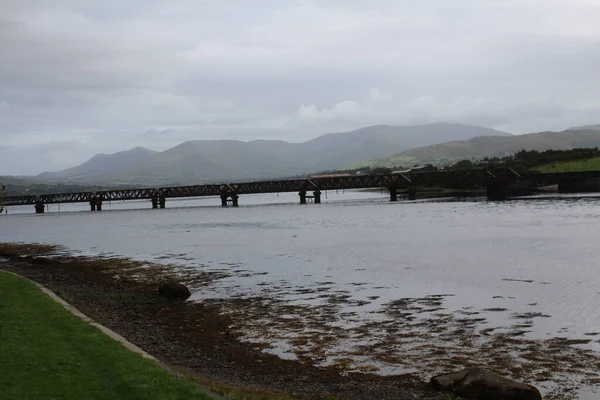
482 384
174 290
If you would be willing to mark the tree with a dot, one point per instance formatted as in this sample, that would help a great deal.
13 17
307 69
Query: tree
463 164
381 171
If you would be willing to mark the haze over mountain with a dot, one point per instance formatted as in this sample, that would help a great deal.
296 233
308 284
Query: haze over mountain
101 164
586 127
228 160
491 146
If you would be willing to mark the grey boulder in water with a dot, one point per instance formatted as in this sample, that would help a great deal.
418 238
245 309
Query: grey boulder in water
174 290
482 384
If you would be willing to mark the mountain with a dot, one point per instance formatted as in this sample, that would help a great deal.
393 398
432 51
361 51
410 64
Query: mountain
100 164
586 127
490 146
204 161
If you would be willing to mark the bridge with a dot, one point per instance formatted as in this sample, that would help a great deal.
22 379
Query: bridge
500 184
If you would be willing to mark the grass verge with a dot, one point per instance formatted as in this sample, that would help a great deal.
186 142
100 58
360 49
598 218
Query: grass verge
47 353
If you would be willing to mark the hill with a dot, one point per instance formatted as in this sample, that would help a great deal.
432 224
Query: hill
586 127
491 146
205 161
100 164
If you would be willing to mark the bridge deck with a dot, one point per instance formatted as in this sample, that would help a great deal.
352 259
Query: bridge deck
466 178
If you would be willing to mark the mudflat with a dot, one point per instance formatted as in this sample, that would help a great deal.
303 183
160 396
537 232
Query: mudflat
195 337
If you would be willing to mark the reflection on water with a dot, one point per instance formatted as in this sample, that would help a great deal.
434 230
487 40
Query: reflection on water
510 262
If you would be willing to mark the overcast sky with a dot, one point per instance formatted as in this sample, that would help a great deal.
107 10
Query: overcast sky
82 77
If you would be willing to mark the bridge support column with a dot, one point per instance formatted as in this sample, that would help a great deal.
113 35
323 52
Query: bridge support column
317 194
302 195
40 207
227 199
154 202
96 205
574 185
162 201
412 193
497 191
393 194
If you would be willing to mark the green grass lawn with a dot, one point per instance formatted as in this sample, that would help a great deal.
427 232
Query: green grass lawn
47 353
590 164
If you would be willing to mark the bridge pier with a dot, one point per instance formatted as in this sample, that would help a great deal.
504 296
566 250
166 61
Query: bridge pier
40 207
316 197
499 191
412 193
302 195
393 193
227 199
159 201
317 194
96 205
581 185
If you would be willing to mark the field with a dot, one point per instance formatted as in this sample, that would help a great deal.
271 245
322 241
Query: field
590 164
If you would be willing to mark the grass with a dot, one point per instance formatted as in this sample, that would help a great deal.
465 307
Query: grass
47 353
589 164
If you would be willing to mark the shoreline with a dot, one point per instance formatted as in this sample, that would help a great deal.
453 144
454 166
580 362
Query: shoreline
195 338
230 344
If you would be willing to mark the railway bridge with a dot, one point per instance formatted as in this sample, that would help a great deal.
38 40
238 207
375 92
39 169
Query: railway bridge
500 183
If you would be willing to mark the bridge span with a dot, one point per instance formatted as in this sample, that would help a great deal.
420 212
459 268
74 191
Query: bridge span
500 184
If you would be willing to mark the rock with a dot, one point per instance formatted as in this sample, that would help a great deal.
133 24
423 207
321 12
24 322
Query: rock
174 290
482 384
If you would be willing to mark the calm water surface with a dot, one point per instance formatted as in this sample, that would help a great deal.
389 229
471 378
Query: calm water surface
524 256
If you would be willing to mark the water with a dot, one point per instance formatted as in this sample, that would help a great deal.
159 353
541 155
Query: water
523 256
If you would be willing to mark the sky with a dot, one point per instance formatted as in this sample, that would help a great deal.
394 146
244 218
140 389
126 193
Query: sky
82 77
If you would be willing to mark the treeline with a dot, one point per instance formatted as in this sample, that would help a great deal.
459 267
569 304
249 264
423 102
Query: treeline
534 158
521 161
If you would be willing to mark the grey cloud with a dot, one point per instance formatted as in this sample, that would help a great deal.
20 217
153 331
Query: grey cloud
110 75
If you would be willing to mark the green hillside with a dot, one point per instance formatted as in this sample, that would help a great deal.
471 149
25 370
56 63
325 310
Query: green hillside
489 146
591 164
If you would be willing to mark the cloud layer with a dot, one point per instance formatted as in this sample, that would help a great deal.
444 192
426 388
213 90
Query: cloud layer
79 77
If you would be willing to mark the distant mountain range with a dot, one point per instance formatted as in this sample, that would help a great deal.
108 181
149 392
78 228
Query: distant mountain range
587 127
100 164
206 161
491 146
